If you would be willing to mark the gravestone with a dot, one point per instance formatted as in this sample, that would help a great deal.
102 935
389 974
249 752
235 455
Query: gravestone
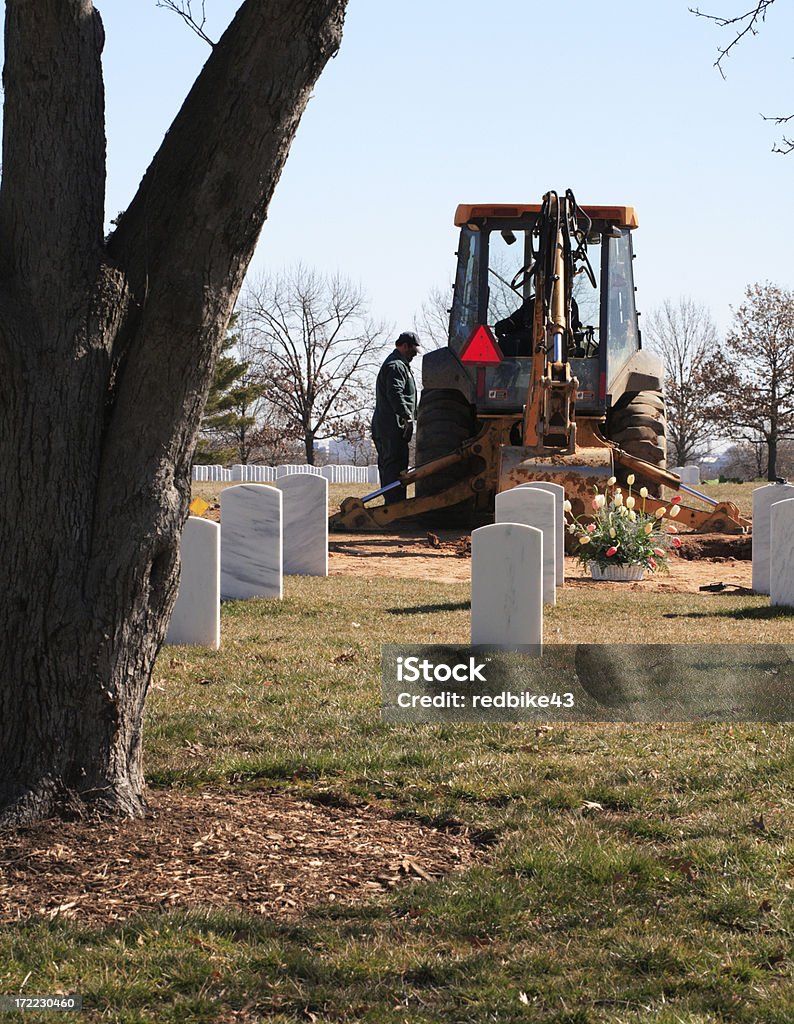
763 500
373 477
532 506
196 618
507 587
305 518
559 523
251 542
690 475
781 563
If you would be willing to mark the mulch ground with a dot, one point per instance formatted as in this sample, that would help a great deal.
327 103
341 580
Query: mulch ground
260 852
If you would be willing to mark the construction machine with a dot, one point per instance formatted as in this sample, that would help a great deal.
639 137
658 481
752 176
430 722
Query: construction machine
543 377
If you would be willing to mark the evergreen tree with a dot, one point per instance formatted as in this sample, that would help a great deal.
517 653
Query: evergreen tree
229 415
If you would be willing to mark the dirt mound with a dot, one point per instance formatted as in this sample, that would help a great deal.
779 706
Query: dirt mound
444 556
715 546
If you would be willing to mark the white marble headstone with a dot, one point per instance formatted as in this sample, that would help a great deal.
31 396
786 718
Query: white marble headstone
781 563
305 511
559 523
196 618
532 506
763 500
251 542
507 586
373 477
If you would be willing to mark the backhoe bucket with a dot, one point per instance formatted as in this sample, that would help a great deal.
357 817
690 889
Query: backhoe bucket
580 473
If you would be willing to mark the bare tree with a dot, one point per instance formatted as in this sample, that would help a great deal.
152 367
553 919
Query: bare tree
107 348
356 441
752 376
314 341
685 337
433 319
742 25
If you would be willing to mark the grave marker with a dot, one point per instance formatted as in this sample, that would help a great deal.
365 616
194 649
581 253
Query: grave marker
507 587
251 542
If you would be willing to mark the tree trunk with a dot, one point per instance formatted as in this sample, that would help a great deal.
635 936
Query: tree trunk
106 357
771 459
308 447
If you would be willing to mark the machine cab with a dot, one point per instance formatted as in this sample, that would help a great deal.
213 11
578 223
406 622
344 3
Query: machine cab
494 286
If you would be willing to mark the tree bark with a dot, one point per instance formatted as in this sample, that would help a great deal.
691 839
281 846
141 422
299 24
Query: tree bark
106 356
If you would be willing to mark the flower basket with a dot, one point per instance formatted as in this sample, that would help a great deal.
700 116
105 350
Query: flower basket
616 572
619 541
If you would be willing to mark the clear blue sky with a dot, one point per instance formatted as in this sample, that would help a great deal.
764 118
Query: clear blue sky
434 102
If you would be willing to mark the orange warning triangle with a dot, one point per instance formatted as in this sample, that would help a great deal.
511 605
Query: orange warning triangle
482 348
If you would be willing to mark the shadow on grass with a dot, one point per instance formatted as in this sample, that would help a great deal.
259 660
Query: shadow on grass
422 609
778 612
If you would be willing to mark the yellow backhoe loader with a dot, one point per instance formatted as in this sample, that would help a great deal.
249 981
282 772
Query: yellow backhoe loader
543 378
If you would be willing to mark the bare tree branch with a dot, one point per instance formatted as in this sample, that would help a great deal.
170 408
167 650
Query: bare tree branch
749 20
747 23
183 9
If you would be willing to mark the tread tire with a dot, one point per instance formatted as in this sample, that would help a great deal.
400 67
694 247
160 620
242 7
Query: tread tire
634 420
444 421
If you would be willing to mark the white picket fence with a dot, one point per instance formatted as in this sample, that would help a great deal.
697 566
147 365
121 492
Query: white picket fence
267 474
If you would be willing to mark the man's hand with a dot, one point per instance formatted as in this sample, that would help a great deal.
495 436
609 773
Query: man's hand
407 428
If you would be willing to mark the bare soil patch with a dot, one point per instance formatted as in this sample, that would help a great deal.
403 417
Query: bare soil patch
445 557
261 852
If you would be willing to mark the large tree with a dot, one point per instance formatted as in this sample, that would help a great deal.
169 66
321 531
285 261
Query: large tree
752 375
107 350
684 335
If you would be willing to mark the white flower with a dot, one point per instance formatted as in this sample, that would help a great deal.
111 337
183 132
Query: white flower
630 501
630 479
660 512
599 500
617 499
643 492
674 511
612 531
633 516
611 482
566 505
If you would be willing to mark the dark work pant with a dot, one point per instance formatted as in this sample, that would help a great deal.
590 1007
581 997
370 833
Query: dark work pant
392 460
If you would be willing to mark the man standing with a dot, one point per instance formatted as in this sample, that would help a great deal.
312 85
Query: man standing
395 413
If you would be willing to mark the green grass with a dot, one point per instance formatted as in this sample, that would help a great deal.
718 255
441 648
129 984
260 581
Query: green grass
626 880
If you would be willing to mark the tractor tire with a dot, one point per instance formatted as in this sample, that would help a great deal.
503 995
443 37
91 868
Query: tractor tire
637 424
444 421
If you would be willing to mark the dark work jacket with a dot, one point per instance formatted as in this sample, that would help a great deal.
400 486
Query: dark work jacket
395 397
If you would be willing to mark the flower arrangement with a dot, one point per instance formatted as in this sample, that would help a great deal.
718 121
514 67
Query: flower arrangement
620 533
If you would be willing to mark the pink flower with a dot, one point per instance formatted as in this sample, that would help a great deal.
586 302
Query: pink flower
671 528
676 500
611 551
652 563
676 542
659 552
591 527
